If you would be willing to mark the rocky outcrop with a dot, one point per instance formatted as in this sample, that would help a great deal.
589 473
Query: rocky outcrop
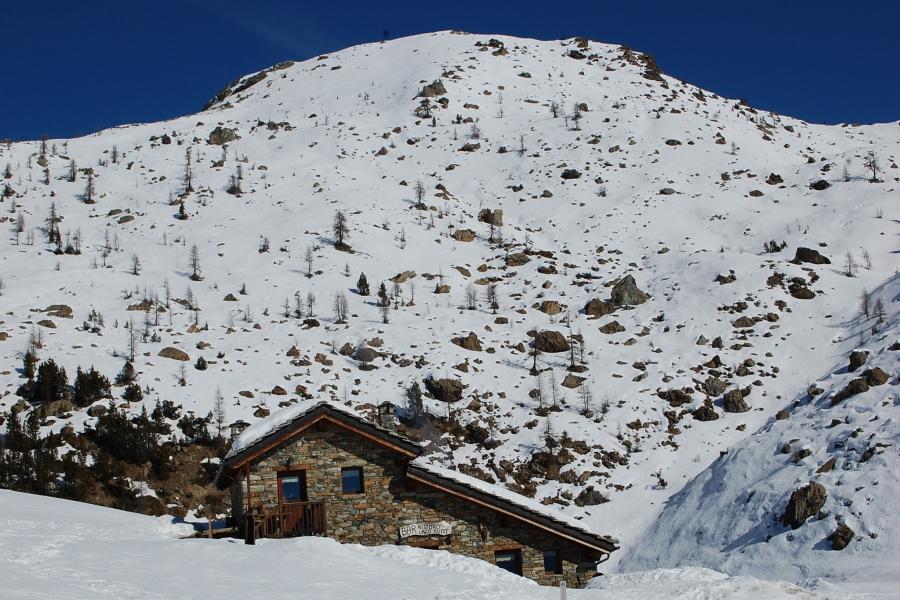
626 293
597 308
808 255
856 386
804 503
491 217
174 353
222 135
445 389
436 88
468 342
551 341
733 401
857 359
463 235
841 537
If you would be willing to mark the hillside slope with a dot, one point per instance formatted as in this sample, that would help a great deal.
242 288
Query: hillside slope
636 174
730 516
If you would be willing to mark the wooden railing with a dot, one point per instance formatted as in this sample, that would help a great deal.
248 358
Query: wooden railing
288 520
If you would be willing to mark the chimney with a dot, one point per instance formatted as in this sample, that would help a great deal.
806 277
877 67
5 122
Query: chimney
386 417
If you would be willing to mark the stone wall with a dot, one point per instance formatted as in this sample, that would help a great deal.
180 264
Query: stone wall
391 501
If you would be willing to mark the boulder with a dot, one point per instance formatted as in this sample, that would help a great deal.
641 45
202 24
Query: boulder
346 349
705 413
491 217
445 390
597 308
294 352
841 537
468 342
875 376
572 381
774 179
47 323
97 410
626 293
402 277
856 386
365 354
222 135
463 235
174 353
820 185
804 503
433 89
733 401
550 307
713 386
744 322
62 311
570 174
517 259
590 497
675 397
857 359
612 327
278 391
808 255
551 341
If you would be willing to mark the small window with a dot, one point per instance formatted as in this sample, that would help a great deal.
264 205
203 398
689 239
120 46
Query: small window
510 560
292 486
352 480
552 563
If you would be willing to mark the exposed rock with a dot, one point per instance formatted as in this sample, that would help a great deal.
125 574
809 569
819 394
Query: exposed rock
57 407
841 537
782 414
705 413
856 386
551 341
433 89
550 307
733 401
294 352
47 323
744 322
62 311
572 381
346 349
517 259
675 397
445 390
774 179
804 503
469 342
570 174
820 185
827 466
713 386
278 391
875 376
97 410
597 308
612 327
174 353
666 191
857 359
230 298
365 354
402 277
590 497
222 135
808 255
626 293
491 217
469 147
442 289
463 235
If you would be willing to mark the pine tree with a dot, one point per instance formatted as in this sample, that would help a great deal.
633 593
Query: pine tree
341 231
362 285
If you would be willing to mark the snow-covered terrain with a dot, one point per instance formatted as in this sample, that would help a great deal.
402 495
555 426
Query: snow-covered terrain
59 549
650 177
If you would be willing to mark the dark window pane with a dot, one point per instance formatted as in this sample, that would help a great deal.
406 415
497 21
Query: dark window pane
552 563
511 560
352 480
293 488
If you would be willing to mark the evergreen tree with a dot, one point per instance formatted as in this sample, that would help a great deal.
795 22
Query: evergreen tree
90 386
51 383
383 299
362 285
126 375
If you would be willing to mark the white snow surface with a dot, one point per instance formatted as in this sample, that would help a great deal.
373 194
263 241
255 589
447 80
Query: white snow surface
638 138
52 548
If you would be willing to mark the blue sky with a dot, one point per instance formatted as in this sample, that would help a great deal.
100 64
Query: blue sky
71 68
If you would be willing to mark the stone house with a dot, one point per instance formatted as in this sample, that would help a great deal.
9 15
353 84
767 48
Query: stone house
324 469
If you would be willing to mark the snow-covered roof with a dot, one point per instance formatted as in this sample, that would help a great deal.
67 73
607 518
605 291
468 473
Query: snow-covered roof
551 513
284 418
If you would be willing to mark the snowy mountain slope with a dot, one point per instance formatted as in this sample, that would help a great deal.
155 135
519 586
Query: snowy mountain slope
54 548
729 516
668 190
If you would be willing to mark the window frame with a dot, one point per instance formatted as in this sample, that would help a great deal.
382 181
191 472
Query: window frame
301 480
558 558
362 481
516 553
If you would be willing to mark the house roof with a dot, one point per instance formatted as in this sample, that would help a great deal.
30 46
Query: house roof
268 433
507 501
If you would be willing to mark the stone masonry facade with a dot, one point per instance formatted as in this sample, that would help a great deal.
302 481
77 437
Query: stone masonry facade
390 500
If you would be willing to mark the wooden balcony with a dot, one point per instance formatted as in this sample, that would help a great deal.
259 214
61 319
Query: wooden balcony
289 519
